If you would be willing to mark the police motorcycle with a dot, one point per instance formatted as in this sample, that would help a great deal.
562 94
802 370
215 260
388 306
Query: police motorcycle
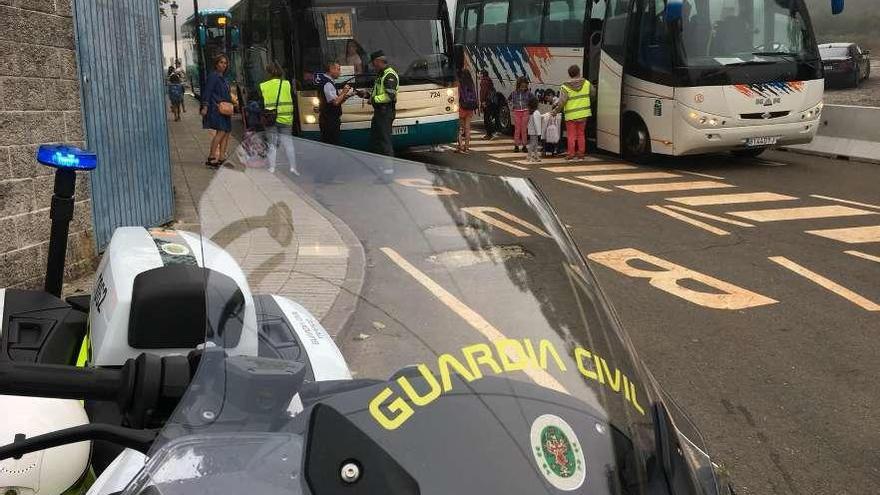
460 344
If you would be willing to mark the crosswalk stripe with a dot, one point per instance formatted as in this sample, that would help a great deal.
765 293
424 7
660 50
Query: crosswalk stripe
497 147
675 186
869 257
686 219
729 199
512 154
709 216
700 174
847 201
800 213
628 177
583 184
492 141
554 161
499 162
588 168
851 235
828 284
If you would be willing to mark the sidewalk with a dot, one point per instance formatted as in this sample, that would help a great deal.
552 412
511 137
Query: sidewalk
286 243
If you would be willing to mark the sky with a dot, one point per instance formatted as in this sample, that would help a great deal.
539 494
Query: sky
166 24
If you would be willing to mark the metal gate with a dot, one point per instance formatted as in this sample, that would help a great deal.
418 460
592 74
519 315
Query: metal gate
121 76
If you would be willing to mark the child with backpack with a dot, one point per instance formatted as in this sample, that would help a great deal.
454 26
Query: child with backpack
534 130
175 94
551 132
467 103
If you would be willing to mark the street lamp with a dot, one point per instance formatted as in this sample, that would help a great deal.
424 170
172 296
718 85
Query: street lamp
174 8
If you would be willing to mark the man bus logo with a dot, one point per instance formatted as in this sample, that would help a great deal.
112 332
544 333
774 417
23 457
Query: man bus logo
558 453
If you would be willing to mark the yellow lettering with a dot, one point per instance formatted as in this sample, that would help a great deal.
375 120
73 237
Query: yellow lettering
544 348
634 399
530 352
625 388
421 400
444 362
580 355
598 362
398 405
512 355
669 276
485 358
614 382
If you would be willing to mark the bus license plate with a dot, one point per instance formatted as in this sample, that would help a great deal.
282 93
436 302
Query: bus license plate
400 130
761 141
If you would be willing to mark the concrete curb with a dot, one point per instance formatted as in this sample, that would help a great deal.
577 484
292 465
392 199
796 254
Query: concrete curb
847 132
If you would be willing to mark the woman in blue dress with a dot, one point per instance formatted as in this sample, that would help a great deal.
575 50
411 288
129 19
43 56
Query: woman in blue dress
216 91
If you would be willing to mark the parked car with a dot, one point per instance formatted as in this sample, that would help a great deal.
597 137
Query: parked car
845 63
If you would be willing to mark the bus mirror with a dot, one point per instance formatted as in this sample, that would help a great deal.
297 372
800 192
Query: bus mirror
203 36
836 6
234 37
673 11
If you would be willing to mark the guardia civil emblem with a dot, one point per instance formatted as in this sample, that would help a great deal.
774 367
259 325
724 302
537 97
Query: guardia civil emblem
558 453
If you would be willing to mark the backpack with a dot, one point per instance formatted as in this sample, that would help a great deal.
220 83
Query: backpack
468 97
552 131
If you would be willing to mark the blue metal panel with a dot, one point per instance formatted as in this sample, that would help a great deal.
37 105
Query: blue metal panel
123 93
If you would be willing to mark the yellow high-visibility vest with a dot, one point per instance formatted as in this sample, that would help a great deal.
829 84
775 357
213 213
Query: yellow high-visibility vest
269 90
577 105
379 94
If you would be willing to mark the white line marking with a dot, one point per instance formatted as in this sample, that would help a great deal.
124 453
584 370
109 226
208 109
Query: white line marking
675 186
770 163
497 147
830 285
554 161
800 213
866 256
709 216
628 177
583 184
730 199
499 162
588 168
512 154
847 201
695 223
701 175
491 141
474 319
851 235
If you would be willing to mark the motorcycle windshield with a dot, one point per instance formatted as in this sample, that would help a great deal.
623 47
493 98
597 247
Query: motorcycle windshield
381 326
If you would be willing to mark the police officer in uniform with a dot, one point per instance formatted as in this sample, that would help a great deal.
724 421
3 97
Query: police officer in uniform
383 97
330 110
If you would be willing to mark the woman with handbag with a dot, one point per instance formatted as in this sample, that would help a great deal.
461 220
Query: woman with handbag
217 110
277 116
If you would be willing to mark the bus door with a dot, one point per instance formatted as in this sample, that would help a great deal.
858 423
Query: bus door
610 74
595 18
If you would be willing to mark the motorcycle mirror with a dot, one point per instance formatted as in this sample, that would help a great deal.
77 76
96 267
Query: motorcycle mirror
836 6
673 11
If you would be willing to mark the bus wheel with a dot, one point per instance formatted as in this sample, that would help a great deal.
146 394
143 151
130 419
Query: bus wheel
749 153
635 145
505 123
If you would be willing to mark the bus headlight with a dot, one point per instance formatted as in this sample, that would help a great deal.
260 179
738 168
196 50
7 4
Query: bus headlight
450 92
704 121
310 119
812 113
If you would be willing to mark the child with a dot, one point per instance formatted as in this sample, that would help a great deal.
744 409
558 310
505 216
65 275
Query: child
519 105
175 94
534 130
551 132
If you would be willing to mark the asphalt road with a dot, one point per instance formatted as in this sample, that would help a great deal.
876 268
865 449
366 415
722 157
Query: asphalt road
762 327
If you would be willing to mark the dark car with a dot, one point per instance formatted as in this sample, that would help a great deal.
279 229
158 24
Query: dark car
845 64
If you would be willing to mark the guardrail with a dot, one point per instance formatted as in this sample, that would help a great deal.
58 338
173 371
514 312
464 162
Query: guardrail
847 132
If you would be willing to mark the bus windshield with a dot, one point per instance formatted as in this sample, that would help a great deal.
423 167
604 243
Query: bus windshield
410 35
742 32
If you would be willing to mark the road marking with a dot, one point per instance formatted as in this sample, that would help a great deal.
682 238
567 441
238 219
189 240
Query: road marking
701 175
695 223
554 161
583 184
709 216
499 162
474 319
800 213
426 187
830 285
731 298
770 163
497 147
628 177
851 235
866 256
588 168
849 202
730 199
512 154
675 186
492 141
482 212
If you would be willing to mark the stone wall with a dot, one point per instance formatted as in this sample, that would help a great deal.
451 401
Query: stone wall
39 103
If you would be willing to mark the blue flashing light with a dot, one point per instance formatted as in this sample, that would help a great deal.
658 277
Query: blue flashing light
836 6
673 10
67 157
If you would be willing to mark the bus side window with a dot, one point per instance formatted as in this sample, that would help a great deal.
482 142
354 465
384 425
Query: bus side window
564 23
494 25
654 54
615 29
471 17
525 26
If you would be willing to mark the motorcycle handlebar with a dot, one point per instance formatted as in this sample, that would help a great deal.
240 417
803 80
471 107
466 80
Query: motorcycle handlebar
64 382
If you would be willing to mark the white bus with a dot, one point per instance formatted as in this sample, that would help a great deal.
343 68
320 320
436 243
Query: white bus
673 77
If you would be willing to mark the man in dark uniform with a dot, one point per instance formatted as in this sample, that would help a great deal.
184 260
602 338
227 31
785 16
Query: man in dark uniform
383 97
330 112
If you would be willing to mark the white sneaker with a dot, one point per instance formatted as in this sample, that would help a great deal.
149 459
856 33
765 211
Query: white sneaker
271 170
294 171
